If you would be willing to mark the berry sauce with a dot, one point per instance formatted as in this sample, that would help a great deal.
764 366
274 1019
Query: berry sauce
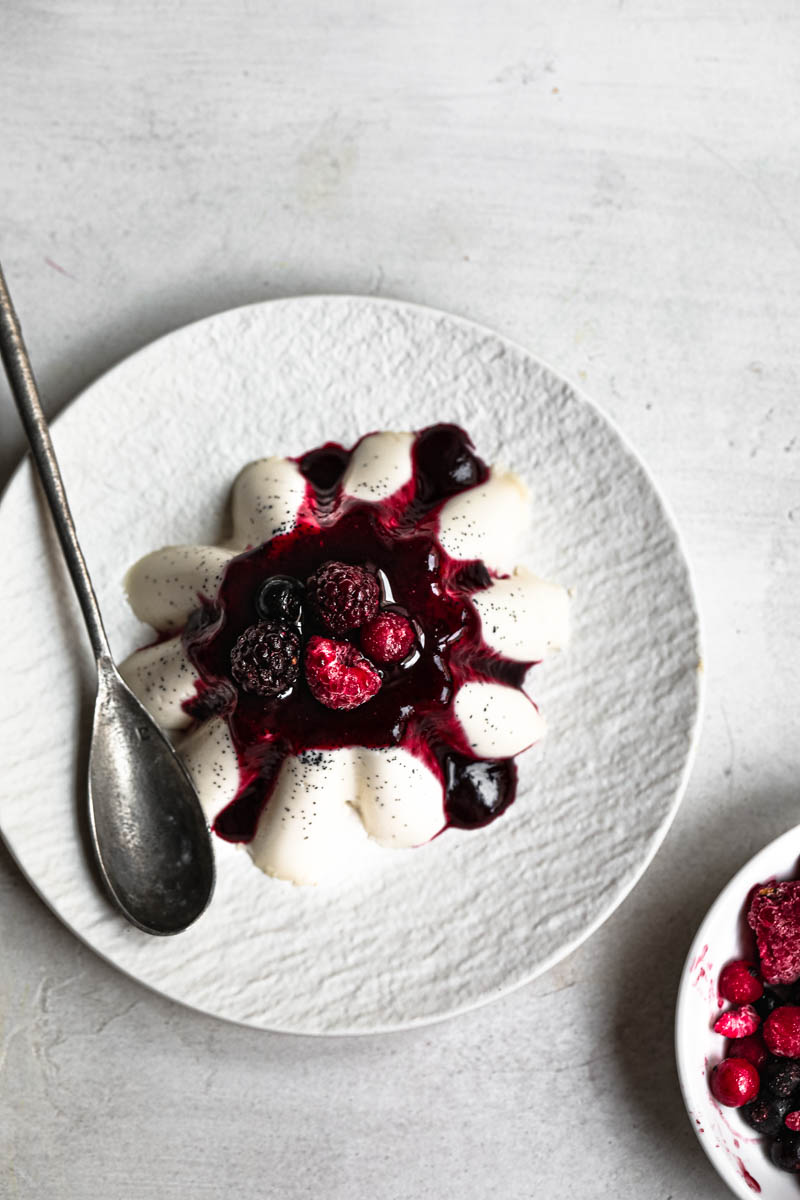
396 539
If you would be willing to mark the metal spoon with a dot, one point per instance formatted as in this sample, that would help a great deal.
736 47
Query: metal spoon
147 826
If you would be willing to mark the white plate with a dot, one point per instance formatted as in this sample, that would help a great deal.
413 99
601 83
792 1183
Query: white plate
149 453
738 1153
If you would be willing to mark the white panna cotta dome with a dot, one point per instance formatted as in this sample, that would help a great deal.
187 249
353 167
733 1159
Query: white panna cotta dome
447 527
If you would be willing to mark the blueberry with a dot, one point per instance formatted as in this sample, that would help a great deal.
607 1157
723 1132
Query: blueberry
794 993
781 1075
281 599
477 790
786 1151
765 1114
767 1003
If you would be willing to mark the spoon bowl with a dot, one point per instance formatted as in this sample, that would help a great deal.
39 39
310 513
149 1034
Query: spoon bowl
148 828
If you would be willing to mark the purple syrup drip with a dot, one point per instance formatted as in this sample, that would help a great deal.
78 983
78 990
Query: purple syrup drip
396 536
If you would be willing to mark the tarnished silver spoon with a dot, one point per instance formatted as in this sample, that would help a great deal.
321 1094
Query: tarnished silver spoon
148 829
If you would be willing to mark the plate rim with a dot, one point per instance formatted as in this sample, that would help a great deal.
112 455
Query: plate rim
700 675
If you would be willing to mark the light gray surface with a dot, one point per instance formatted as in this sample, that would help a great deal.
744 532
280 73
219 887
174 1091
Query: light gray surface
637 227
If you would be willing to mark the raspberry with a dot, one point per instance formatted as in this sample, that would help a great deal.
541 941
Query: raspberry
387 638
752 1048
774 917
345 597
738 983
782 1031
734 1082
338 676
266 659
792 1121
739 1022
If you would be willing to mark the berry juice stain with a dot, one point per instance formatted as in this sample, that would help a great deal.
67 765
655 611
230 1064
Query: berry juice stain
752 1183
396 539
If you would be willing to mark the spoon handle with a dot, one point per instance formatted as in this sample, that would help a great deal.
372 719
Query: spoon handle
23 388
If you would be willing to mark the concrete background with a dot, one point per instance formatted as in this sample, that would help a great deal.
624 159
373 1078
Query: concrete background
614 183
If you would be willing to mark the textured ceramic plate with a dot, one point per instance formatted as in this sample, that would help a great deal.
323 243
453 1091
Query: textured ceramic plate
148 455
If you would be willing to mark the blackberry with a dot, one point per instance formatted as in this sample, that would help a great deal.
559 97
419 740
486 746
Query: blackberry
765 1114
280 598
344 596
781 1075
266 659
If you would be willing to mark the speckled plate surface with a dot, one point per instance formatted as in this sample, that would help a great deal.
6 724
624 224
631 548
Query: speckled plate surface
148 455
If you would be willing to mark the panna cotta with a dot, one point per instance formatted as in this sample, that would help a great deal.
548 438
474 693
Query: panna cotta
349 665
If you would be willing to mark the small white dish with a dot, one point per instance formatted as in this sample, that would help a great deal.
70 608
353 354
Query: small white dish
149 453
737 1152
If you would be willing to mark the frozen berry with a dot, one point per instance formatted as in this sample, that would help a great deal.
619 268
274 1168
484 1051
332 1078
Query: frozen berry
792 1121
387 638
345 597
739 1022
781 1076
774 917
280 598
739 984
782 1031
338 676
769 1001
752 1048
266 659
477 790
734 1082
785 1151
766 1113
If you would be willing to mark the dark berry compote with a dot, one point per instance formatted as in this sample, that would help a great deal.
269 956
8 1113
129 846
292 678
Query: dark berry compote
349 666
